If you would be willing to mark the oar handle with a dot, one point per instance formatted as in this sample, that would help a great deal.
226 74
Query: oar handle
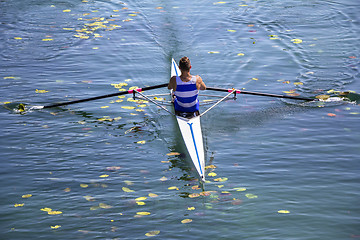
259 94
106 96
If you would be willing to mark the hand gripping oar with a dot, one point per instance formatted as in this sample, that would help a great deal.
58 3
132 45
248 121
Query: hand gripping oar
104 96
259 94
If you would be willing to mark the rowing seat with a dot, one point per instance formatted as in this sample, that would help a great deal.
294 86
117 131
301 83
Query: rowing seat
187 114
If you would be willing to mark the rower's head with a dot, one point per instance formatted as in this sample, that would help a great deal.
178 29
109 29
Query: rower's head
184 64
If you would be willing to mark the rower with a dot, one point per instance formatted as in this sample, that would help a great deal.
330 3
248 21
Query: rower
186 89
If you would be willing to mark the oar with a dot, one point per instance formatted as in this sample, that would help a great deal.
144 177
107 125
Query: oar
104 96
259 94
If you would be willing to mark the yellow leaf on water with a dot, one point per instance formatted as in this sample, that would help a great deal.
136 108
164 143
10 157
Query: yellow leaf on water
215 3
119 85
213 52
19 204
140 203
291 91
159 99
67 189
205 193
283 211
251 196
191 208
210 166
46 209
104 205
125 189
241 54
240 189
54 212
296 40
220 186
26 196
196 187
153 195
129 183
127 107
194 195
163 179
221 179
212 174
143 213
104 106
55 227
152 233
41 91
323 97
104 176
47 39
17 38
173 188
141 199
298 83
186 220
94 208
81 36
83 185
105 118
231 30
67 10
173 154
141 142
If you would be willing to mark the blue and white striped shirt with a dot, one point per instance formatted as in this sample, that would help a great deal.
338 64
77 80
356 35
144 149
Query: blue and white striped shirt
186 95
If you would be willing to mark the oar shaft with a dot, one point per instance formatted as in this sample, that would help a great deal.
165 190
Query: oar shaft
106 96
259 94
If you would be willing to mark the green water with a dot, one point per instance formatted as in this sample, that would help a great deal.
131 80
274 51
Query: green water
284 169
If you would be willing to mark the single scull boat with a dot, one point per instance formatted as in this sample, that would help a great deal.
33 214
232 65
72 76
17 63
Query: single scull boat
190 129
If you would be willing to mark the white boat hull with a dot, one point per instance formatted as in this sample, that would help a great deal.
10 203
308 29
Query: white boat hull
191 133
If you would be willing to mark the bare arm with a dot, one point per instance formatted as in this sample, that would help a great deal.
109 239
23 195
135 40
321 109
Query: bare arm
172 83
199 83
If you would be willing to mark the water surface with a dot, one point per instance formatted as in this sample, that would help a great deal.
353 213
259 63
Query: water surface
284 170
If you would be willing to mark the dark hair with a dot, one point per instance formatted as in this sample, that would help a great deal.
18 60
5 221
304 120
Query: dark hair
184 64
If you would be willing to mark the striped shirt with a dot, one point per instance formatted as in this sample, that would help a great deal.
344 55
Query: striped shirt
186 95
